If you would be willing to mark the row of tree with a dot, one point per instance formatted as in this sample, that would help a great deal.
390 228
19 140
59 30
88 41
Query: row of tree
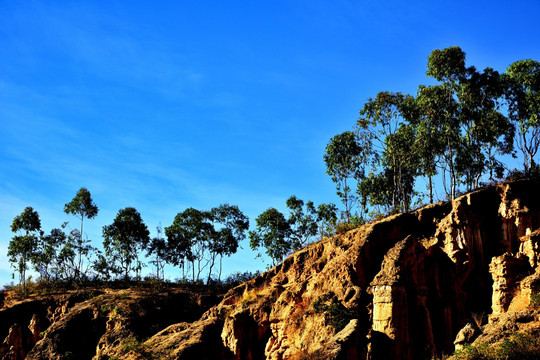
196 241
457 130
305 223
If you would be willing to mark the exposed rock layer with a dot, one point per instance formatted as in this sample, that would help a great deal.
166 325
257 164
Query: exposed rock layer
401 288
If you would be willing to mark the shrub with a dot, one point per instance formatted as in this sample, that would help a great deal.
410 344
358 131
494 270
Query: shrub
517 346
338 315
238 278
535 301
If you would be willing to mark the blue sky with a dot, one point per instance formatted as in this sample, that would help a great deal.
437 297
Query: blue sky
182 104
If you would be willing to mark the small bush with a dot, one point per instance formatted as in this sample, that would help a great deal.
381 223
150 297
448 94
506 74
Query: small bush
238 278
131 344
535 301
517 346
338 315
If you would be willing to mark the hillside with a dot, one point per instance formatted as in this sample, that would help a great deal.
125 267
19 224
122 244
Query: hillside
399 288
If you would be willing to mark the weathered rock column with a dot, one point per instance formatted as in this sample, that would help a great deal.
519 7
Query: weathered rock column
506 270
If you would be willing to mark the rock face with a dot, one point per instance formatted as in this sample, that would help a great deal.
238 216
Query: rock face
400 288
92 324
412 282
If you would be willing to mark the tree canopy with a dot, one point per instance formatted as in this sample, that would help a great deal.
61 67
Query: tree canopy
83 207
124 239
455 131
23 246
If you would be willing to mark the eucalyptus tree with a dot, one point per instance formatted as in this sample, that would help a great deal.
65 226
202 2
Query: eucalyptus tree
523 97
308 221
303 221
487 132
346 157
230 226
274 233
189 239
124 239
441 107
47 253
402 162
23 246
427 144
385 118
326 219
83 207
158 248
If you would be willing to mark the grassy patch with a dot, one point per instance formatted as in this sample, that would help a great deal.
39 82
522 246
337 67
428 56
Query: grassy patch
517 346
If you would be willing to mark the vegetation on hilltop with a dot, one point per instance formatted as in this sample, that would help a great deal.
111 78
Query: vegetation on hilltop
457 131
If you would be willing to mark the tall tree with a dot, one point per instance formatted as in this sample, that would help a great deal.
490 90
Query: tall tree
46 257
188 238
403 165
523 98
486 131
82 206
274 233
427 145
345 159
440 104
307 221
158 248
22 247
230 226
384 118
303 221
124 239
326 219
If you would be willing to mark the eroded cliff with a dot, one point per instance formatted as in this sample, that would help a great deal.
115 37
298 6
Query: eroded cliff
399 288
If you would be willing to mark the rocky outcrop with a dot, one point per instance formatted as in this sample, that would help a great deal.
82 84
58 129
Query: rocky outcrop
404 287
466 335
411 282
94 324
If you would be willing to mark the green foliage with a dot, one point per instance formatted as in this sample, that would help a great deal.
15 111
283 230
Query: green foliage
274 233
157 246
199 238
343 227
82 206
231 225
308 221
394 163
189 238
238 278
516 346
447 65
535 301
123 240
48 258
522 81
456 126
131 344
280 235
23 246
326 219
345 158
338 315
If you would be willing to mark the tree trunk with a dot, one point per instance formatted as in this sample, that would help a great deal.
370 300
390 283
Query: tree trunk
79 265
430 189
452 172
210 270
220 267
